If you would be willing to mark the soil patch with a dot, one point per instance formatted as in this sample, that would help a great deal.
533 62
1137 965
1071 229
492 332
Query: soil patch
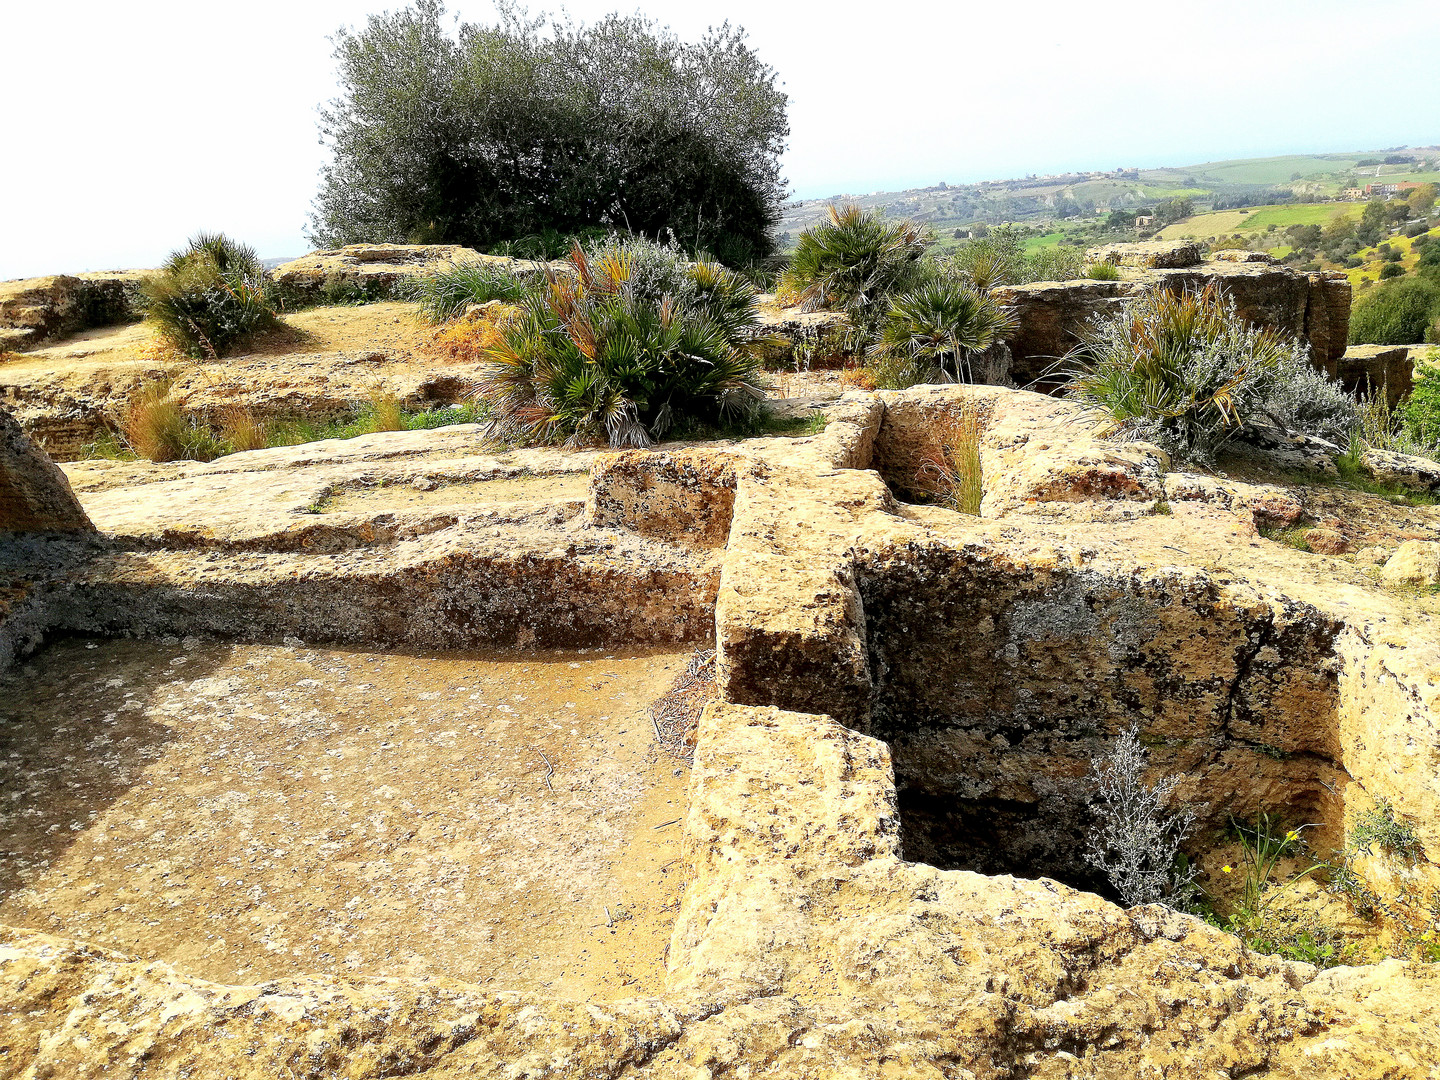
249 812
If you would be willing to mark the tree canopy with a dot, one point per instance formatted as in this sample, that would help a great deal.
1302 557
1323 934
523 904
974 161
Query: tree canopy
498 132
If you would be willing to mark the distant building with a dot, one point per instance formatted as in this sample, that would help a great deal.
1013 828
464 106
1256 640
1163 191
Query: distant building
1381 191
1143 222
1353 193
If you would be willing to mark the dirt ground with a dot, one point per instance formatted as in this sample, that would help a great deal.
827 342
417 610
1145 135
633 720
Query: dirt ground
389 327
538 488
247 812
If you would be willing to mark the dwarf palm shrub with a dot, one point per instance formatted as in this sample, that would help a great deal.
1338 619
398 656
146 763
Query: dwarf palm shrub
853 259
591 359
210 297
934 331
1184 370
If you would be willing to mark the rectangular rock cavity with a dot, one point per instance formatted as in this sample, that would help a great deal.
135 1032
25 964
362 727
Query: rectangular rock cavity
996 685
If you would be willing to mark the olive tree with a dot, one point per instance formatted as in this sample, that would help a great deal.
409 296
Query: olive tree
490 133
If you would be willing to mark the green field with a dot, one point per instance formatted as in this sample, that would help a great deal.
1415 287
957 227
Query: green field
1258 218
1275 170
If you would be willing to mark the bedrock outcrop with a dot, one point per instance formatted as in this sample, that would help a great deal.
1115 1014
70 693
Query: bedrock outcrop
804 947
36 310
380 269
881 665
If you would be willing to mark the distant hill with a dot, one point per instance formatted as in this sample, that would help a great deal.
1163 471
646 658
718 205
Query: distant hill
1211 185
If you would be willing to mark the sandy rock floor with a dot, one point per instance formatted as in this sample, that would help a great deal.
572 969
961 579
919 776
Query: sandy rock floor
249 812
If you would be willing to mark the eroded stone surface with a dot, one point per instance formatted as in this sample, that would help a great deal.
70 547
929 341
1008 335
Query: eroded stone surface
1097 589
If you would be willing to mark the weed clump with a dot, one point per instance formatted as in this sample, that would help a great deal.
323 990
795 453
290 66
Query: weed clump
1379 828
1185 371
156 427
211 297
447 293
950 468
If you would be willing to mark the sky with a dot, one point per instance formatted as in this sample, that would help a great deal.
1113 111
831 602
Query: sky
131 126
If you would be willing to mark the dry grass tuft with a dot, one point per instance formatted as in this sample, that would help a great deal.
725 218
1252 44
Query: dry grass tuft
950 471
386 412
240 429
156 427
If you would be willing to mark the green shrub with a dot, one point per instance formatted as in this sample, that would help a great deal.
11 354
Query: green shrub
936 329
592 359
1184 370
447 293
1421 410
1057 263
999 258
1391 270
1396 313
210 297
853 260
1103 271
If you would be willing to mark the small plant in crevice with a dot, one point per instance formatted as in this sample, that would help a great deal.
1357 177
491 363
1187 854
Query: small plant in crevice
950 468
1136 838
1263 845
1102 271
1379 828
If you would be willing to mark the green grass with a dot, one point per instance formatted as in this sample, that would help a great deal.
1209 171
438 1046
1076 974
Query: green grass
294 432
1048 240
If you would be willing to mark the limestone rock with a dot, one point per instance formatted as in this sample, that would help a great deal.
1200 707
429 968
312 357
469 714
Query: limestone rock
787 337
1325 540
35 310
1269 506
1415 562
35 496
1243 255
1401 470
1368 369
378 269
1149 254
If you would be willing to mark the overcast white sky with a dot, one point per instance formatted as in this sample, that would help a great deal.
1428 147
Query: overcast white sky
129 126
